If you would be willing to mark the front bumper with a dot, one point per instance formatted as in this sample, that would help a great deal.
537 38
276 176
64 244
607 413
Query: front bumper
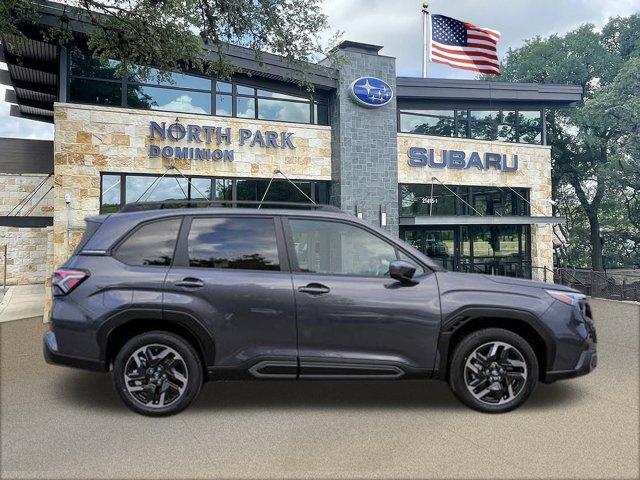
54 357
586 363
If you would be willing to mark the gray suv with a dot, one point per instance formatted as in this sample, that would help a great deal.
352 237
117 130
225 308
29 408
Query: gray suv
168 298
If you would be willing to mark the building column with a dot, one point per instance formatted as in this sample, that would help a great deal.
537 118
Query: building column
364 140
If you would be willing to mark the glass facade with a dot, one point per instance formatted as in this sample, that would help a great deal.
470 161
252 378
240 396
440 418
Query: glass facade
118 189
524 126
489 249
437 199
95 82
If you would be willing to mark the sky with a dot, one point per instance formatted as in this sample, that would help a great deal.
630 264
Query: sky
397 25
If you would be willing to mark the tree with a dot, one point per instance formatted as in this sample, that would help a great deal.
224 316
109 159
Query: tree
594 146
172 35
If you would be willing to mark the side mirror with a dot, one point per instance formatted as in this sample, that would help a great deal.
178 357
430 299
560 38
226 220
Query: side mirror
402 271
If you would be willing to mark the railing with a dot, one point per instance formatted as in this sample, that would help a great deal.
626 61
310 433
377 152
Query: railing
609 284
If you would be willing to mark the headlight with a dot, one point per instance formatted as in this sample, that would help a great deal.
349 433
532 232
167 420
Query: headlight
569 298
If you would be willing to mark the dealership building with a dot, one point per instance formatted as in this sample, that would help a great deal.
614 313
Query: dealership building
460 169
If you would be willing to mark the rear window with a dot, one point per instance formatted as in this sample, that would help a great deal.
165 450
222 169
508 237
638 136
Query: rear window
237 243
92 227
151 244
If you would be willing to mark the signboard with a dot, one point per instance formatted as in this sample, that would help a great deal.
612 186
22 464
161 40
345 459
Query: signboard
199 135
457 159
371 92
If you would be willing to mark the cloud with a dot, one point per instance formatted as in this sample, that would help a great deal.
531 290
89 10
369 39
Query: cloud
184 103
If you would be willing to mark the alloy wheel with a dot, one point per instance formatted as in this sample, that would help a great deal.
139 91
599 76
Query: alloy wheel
495 373
156 375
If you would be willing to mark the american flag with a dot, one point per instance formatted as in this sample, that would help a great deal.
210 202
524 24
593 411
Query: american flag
463 45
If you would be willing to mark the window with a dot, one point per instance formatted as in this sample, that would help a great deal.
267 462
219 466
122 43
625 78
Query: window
429 122
340 249
111 190
151 188
93 81
151 244
503 125
155 189
417 200
167 99
530 127
236 243
95 92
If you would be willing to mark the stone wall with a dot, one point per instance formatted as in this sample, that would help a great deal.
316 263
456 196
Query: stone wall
92 139
534 173
26 247
364 143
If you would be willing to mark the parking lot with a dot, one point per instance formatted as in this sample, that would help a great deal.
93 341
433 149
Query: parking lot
64 423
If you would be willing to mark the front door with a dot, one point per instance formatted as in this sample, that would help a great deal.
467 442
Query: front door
353 319
231 273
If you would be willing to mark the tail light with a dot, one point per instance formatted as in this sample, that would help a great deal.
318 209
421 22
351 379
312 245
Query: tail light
65 280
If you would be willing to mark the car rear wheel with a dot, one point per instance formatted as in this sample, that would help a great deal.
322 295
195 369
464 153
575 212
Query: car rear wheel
157 373
493 370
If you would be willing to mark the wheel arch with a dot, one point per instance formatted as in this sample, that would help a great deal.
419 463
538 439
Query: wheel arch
125 325
520 322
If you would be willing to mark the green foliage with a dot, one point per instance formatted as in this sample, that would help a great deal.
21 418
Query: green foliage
172 35
596 146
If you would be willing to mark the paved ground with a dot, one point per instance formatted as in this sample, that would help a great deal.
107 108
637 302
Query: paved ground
64 423
22 301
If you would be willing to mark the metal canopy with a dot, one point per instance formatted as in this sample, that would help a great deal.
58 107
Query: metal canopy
475 92
33 74
480 220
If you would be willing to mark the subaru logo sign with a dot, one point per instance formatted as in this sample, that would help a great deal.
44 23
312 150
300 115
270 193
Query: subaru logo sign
371 92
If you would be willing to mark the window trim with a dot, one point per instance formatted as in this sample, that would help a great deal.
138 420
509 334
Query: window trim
181 255
293 258
113 250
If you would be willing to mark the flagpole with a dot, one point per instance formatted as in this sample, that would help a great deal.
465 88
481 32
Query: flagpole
426 37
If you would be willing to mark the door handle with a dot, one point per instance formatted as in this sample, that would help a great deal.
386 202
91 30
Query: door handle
190 282
314 289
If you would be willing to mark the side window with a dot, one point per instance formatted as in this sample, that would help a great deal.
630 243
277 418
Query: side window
151 244
340 249
239 243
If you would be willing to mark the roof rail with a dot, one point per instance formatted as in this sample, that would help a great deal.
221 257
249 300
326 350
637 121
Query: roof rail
161 205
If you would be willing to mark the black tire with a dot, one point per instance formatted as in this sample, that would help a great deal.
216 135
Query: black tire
459 373
189 366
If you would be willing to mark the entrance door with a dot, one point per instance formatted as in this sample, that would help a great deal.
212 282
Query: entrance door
440 244
353 319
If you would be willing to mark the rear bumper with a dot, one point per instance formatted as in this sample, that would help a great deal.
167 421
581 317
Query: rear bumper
586 363
54 357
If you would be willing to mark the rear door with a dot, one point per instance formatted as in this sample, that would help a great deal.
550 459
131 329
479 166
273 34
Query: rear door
231 272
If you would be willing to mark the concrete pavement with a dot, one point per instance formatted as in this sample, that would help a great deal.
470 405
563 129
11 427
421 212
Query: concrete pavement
63 423
22 301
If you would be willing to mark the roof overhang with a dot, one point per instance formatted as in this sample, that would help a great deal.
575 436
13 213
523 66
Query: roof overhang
468 93
480 220
34 65
32 71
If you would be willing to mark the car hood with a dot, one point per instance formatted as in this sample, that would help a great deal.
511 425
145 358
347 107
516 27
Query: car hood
528 283
474 281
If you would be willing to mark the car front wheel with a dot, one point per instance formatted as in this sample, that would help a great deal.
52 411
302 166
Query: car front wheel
157 373
493 370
